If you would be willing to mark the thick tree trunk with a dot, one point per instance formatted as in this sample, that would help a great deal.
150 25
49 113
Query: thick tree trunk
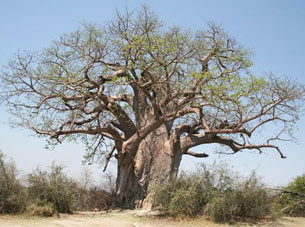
156 160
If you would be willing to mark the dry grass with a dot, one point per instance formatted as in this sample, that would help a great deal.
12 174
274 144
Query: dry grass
124 219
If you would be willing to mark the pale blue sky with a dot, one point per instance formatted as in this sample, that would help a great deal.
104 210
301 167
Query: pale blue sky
273 29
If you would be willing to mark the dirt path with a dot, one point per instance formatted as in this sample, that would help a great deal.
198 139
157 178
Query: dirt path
123 219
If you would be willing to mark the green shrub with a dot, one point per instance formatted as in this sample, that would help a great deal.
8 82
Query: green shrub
183 197
189 193
13 195
46 210
252 199
220 209
53 187
247 200
216 192
183 203
292 200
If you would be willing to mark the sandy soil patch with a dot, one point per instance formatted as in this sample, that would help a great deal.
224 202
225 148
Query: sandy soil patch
125 219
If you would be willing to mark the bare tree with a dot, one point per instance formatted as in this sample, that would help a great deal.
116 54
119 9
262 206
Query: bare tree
146 94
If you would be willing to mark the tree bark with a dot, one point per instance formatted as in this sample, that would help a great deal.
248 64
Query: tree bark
155 161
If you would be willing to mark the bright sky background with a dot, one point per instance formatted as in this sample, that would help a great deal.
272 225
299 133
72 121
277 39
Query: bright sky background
273 29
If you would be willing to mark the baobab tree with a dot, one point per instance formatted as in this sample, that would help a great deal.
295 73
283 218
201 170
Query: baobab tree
145 94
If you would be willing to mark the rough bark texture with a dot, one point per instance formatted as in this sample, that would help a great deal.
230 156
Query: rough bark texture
157 160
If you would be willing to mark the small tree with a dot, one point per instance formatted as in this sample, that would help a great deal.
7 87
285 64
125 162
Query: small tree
146 94
53 187
13 196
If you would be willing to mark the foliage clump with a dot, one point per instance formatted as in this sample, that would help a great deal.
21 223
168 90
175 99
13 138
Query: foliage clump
246 200
12 193
46 210
171 197
215 192
45 192
52 187
292 200
94 198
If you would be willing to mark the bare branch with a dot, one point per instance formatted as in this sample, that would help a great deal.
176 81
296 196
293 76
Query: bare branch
197 155
108 157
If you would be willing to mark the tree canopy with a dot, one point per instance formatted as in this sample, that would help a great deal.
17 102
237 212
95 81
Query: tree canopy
117 83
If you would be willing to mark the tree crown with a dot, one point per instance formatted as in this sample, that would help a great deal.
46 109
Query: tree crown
122 81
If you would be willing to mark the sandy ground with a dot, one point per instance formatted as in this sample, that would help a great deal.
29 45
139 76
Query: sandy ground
124 219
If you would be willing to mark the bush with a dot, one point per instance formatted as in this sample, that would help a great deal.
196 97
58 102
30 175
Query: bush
247 200
13 196
292 199
53 187
46 210
183 197
178 205
189 193
91 196
99 199
220 209
216 192
252 199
